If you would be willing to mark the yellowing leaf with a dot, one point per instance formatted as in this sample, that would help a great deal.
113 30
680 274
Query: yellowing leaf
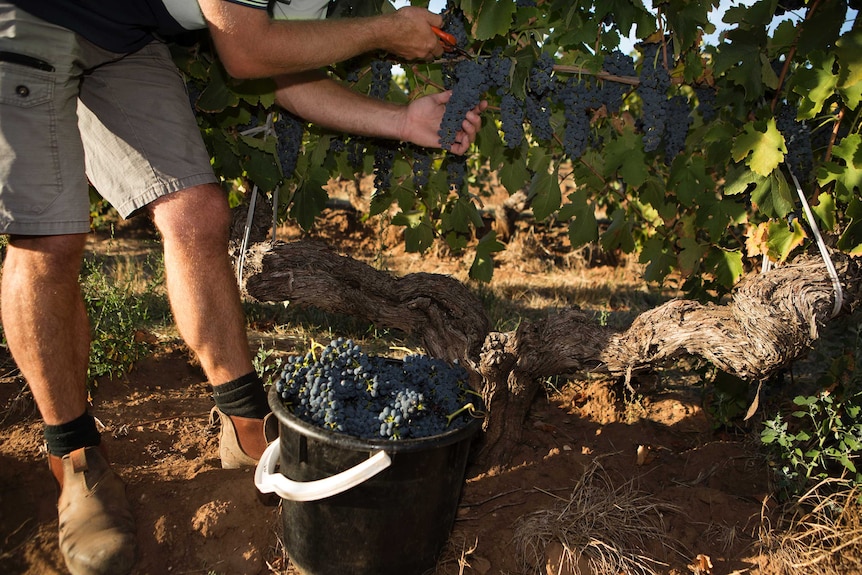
762 149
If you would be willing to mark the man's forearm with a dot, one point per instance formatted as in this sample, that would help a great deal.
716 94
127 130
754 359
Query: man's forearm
251 45
323 101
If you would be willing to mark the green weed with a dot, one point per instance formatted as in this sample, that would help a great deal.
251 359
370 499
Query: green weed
821 438
118 314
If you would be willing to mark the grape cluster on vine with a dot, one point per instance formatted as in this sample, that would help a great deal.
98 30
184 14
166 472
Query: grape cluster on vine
371 397
578 96
678 122
616 64
706 102
381 79
653 86
512 120
797 139
456 171
471 82
384 159
422 160
288 130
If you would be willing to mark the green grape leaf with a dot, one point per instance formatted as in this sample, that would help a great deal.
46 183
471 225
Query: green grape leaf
849 52
690 255
225 156
815 83
847 177
456 242
310 199
783 239
619 233
420 238
715 215
740 180
727 266
514 176
583 227
822 27
825 210
482 268
418 233
739 60
626 154
262 167
851 239
461 215
773 196
546 194
686 19
494 19
690 180
258 92
659 259
761 146
217 95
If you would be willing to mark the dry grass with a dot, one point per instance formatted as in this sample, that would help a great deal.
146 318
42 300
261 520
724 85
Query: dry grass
604 527
820 533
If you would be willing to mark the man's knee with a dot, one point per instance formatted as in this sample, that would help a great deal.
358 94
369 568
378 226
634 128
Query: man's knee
195 214
55 256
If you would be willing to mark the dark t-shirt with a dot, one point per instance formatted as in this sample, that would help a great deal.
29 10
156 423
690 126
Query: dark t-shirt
123 26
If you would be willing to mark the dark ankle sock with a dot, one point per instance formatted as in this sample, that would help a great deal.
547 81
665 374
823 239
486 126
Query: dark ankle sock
67 437
243 397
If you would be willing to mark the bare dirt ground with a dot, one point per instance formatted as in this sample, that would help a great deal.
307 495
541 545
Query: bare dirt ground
708 489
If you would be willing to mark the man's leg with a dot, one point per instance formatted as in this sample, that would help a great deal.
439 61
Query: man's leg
45 321
207 308
46 327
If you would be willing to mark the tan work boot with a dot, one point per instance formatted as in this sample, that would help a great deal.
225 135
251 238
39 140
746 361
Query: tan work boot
97 530
243 439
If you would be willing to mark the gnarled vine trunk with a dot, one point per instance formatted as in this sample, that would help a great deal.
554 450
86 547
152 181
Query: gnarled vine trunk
770 320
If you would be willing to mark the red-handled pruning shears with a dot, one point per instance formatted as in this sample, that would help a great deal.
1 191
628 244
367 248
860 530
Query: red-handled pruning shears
450 43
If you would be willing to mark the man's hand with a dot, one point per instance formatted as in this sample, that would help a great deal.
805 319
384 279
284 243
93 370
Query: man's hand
424 115
408 34
251 45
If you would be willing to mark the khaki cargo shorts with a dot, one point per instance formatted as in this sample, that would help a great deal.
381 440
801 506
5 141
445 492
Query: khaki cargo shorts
71 112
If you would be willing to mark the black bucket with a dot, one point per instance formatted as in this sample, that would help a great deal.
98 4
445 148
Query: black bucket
396 522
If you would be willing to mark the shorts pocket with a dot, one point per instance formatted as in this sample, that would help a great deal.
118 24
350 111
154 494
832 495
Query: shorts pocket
31 172
24 86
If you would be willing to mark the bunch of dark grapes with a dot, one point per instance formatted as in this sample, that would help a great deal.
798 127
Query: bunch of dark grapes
456 172
577 96
541 79
356 153
654 82
537 102
617 64
497 69
470 84
797 138
525 3
678 122
512 119
373 397
381 79
455 24
384 159
706 102
421 166
288 130
538 113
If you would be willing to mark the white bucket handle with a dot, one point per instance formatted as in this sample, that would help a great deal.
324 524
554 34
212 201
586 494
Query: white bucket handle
268 481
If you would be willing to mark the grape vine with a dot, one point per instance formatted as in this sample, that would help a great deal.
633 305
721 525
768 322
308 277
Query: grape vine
680 142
